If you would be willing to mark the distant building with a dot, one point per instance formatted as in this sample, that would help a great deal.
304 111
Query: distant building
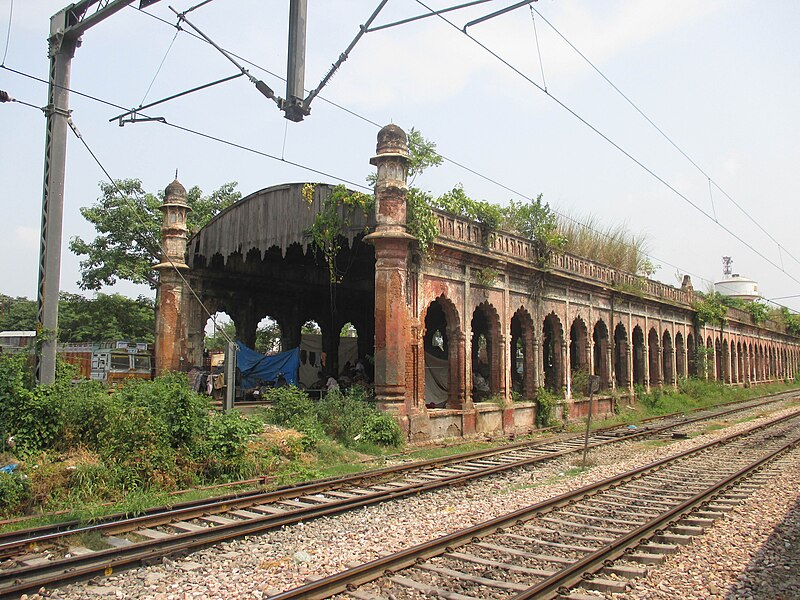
17 341
737 286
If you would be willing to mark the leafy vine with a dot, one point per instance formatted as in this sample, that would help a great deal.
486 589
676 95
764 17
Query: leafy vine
331 222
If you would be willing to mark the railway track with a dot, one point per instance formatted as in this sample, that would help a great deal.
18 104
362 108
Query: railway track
47 555
573 540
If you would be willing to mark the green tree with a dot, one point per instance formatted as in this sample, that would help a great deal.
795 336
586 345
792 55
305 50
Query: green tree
129 231
217 340
17 314
268 337
107 317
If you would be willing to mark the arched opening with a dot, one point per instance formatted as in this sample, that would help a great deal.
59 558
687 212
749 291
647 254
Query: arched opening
710 359
600 354
739 363
579 356
486 357
719 351
522 364
667 354
269 336
680 356
692 365
654 357
638 356
439 348
552 340
621 355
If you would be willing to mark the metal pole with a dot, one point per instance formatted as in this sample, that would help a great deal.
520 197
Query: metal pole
295 108
594 384
230 377
53 205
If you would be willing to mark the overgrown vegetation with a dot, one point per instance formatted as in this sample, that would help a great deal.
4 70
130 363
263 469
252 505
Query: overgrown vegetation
612 245
546 402
346 417
333 220
76 444
690 394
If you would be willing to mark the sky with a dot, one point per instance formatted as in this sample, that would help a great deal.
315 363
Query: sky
720 78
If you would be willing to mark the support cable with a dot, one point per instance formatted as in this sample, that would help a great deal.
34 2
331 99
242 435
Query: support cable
160 66
612 143
260 85
538 50
311 169
8 32
711 197
344 55
659 130
135 212
260 67
210 137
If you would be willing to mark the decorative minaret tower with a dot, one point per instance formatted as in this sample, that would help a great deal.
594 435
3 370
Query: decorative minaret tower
171 323
392 247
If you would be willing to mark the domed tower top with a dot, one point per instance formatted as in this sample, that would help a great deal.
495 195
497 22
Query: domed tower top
174 230
175 193
392 140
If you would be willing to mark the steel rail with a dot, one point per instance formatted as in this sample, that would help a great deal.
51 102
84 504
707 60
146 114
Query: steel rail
11 541
594 561
350 578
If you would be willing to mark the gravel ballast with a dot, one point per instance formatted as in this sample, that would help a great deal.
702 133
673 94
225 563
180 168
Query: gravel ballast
261 566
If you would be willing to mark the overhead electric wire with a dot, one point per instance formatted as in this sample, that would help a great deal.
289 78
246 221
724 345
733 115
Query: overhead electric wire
370 121
611 142
663 134
257 66
209 136
164 255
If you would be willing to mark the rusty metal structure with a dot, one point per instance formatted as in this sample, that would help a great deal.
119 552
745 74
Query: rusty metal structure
463 340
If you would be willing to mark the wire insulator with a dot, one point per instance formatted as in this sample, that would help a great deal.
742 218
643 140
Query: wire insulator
4 97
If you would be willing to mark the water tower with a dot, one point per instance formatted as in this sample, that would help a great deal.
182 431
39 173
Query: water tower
734 285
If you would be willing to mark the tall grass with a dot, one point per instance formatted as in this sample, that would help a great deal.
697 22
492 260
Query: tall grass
613 245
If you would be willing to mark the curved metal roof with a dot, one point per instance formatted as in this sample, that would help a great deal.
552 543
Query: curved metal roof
277 216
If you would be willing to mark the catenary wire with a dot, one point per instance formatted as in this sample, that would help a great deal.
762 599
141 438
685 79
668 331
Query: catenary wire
372 122
454 162
214 138
661 131
627 154
135 211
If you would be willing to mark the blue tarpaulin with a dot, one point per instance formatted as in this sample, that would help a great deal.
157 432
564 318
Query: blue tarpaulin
257 368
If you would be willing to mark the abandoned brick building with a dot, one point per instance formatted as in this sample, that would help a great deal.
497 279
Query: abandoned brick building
480 319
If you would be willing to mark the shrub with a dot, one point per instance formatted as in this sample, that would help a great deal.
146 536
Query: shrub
291 407
381 428
12 493
169 399
351 419
545 403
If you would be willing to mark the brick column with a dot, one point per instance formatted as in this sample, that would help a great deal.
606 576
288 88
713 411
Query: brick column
392 247
171 347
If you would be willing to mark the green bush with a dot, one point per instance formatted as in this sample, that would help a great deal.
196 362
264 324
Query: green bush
352 420
291 407
12 493
545 403
169 399
381 428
